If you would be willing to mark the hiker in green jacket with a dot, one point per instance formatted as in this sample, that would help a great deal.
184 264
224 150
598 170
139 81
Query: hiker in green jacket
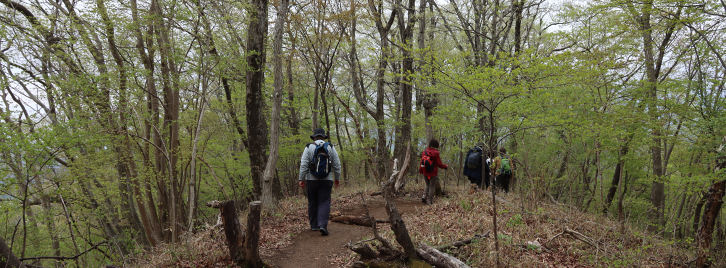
502 169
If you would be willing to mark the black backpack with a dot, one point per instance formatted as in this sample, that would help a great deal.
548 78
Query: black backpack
473 158
320 165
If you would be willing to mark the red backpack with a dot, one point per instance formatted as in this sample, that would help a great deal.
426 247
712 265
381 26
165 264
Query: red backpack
427 163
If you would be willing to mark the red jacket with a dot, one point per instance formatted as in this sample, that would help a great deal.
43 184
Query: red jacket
434 154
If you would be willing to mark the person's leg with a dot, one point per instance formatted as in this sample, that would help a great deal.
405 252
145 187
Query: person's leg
505 182
497 181
476 181
312 193
324 191
431 190
426 191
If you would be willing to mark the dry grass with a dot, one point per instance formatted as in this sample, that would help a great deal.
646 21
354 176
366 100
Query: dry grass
462 215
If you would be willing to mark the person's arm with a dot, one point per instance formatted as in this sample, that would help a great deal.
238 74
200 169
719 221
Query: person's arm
304 165
439 163
336 162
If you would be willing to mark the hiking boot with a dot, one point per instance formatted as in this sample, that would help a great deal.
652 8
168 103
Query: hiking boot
314 229
323 231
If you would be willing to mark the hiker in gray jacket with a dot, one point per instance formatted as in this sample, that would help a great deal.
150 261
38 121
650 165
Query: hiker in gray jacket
319 170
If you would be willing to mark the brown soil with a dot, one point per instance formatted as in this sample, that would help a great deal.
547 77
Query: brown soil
310 249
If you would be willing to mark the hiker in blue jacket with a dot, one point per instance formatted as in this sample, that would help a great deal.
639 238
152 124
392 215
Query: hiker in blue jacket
319 170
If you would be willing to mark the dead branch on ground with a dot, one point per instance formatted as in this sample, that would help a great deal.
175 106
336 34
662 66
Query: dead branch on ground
461 243
439 259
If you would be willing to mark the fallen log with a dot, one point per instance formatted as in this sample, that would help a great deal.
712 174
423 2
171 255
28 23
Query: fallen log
460 243
398 226
438 258
356 220
365 250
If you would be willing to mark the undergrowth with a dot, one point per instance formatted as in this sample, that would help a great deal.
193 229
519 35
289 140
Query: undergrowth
530 234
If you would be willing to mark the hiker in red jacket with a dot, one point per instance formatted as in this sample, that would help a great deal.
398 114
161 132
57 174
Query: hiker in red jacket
430 164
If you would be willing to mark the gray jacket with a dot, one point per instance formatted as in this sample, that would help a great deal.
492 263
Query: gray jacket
307 157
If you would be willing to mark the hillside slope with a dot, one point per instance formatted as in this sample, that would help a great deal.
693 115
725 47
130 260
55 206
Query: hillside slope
568 238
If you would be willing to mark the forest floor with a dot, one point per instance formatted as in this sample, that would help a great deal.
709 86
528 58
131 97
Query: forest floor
287 241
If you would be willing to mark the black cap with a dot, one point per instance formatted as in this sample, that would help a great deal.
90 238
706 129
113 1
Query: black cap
319 132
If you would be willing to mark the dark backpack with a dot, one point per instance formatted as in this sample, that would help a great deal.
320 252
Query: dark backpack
473 158
320 166
426 162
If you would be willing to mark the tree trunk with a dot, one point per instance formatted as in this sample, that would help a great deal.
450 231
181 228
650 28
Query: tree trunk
379 115
233 233
616 175
697 215
293 118
252 236
150 122
171 121
50 222
652 72
193 187
255 77
268 197
710 214
7 258
405 29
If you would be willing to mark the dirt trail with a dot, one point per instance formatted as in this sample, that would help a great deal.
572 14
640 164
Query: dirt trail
310 249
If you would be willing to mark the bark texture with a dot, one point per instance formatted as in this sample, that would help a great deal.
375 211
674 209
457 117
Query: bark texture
255 102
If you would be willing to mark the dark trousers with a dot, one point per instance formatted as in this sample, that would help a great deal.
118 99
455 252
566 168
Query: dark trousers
503 181
318 193
430 191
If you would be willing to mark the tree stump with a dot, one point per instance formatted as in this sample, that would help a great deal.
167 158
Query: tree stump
243 248
252 253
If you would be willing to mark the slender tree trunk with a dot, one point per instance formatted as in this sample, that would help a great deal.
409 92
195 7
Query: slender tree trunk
616 175
193 187
621 197
150 123
677 225
697 215
50 222
126 153
293 118
171 121
405 29
268 198
379 116
255 77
